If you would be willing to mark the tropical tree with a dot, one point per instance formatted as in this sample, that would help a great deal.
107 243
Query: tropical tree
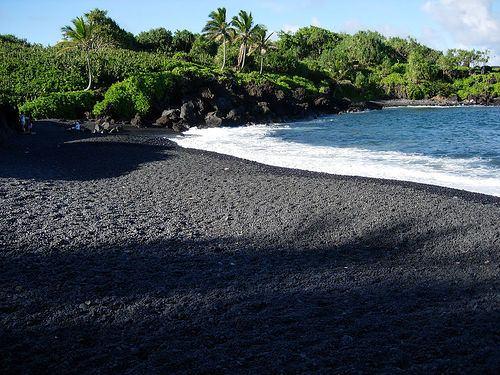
262 43
420 68
183 40
155 40
309 42
109 31
218 29
244 32
81 36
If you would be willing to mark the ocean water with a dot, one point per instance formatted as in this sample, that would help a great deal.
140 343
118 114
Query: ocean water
456 147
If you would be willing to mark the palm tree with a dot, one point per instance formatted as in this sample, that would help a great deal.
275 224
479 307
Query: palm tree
244 29
262 43
81 36
218 29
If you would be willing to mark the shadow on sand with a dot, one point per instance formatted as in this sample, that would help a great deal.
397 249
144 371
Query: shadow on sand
54 153
373 304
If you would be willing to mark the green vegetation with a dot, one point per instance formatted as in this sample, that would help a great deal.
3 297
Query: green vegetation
135 95
84 36
219 30
478 85
138 74
66 105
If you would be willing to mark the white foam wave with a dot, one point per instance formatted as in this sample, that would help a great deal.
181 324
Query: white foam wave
255 143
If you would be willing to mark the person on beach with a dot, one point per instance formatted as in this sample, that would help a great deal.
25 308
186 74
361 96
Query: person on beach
29 125
22 121
77 126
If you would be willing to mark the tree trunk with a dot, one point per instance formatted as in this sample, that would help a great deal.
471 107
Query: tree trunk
223 54
244 56
261 63
89 72
240 57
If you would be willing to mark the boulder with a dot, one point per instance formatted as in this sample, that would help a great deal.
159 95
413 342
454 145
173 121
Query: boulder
180 126
256 91
171 113
188 112
206 93
279 95
223 104
212 120
263 108
136 121
235 115
342 104
168 117
304 107
322 102
299 94
164 121
373 105
201 107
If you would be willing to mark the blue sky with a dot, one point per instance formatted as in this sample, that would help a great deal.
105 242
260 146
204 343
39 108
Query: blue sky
441 24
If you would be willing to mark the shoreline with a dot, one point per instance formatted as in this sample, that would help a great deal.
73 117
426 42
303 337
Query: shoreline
160 134
256 144
128 253
444 102
429 188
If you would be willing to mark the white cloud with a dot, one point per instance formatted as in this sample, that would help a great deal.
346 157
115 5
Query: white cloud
470 23
315 22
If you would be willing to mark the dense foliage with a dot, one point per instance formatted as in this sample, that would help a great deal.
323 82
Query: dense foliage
138 71
67 105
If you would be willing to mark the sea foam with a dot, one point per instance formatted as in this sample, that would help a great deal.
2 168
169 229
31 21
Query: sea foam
257 144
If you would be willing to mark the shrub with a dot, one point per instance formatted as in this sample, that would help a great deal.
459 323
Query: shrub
283 82
68 105
203 50
27 72
136 95
115 65
487 85
281 63
394 85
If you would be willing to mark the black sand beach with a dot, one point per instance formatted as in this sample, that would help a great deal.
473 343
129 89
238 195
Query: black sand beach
128 255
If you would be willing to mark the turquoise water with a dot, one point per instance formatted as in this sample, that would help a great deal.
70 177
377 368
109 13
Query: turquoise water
457 147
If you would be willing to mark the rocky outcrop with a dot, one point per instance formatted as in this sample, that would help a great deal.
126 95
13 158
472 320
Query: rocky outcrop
228 104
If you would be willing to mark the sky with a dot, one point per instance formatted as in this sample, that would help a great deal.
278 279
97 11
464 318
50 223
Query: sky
441 24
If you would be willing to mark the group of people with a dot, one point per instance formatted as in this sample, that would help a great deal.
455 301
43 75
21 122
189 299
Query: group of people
26 124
